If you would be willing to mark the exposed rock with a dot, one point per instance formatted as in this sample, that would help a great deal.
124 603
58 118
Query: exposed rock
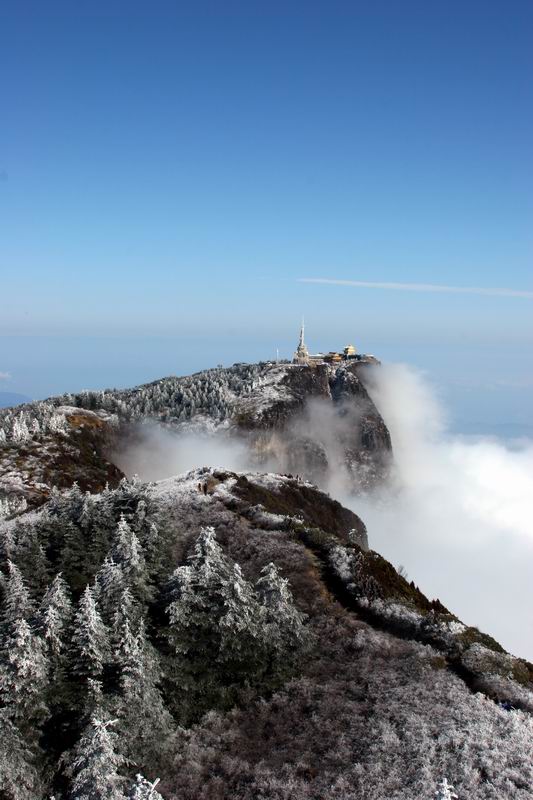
315 421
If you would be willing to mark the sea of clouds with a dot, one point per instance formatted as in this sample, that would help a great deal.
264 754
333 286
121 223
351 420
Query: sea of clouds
458 513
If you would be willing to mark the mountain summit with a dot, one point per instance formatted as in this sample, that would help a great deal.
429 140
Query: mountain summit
311 420
232 632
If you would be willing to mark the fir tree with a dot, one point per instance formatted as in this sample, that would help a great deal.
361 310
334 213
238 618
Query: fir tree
17 604
89 644
7 545
109 584
101 525
127 552
54 625
445 791
23 678
126 611
214 620
144 790
153 550
143 721
86 513
32 559
73 561
283 631
94 764
20 776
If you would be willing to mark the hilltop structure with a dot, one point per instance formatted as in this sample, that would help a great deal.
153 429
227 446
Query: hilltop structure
303 357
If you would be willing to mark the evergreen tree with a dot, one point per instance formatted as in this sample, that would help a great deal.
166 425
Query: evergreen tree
54 625
445 791
127 552
20 776
143 721
284 634
89 644
153 550
7 545
100 527
17 604
32 559
214 619
144 790
109 585
73 560
126 611
23 679
94 764
86 513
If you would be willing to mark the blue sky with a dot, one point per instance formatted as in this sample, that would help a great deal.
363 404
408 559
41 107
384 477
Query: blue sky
169 171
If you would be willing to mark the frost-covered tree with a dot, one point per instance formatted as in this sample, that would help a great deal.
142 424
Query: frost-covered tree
20 776
89 643
143 721
445 791
126 549
153 550
144 790
54 626
73 561
109 584
7 545
17 604
20 432
87 510
32 559
126 611
54 617
23 678
214 625
127 552
284 634
94 764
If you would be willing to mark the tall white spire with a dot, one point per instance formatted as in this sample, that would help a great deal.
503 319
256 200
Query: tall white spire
301 343
301 355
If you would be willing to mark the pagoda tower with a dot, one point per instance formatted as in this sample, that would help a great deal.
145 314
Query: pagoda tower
301 356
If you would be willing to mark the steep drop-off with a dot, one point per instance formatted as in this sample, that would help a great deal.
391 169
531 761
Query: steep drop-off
317 422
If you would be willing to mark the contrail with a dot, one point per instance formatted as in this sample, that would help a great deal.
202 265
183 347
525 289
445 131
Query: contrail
422 287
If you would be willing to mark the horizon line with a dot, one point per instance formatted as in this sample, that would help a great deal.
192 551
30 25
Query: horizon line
422 287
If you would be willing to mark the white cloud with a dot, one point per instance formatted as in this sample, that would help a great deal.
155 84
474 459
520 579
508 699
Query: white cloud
5 376
459 513
422 287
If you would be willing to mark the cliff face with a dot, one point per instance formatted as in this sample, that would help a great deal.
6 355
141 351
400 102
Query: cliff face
319 422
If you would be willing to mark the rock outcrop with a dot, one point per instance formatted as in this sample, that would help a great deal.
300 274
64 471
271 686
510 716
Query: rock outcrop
317 421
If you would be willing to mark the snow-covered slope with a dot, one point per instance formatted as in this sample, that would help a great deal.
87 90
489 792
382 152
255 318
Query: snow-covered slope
392 694
297 419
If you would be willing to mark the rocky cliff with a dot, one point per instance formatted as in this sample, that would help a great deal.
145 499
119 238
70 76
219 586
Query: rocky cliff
318 422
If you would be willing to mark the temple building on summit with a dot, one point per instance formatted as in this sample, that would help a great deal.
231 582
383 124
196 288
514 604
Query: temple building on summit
303 357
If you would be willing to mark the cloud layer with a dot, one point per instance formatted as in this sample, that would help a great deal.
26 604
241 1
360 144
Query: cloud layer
459 513
422 287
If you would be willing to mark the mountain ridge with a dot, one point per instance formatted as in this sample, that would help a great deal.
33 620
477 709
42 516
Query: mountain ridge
386 675
264 404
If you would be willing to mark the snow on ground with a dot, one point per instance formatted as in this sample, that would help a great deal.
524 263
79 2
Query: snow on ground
266 390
